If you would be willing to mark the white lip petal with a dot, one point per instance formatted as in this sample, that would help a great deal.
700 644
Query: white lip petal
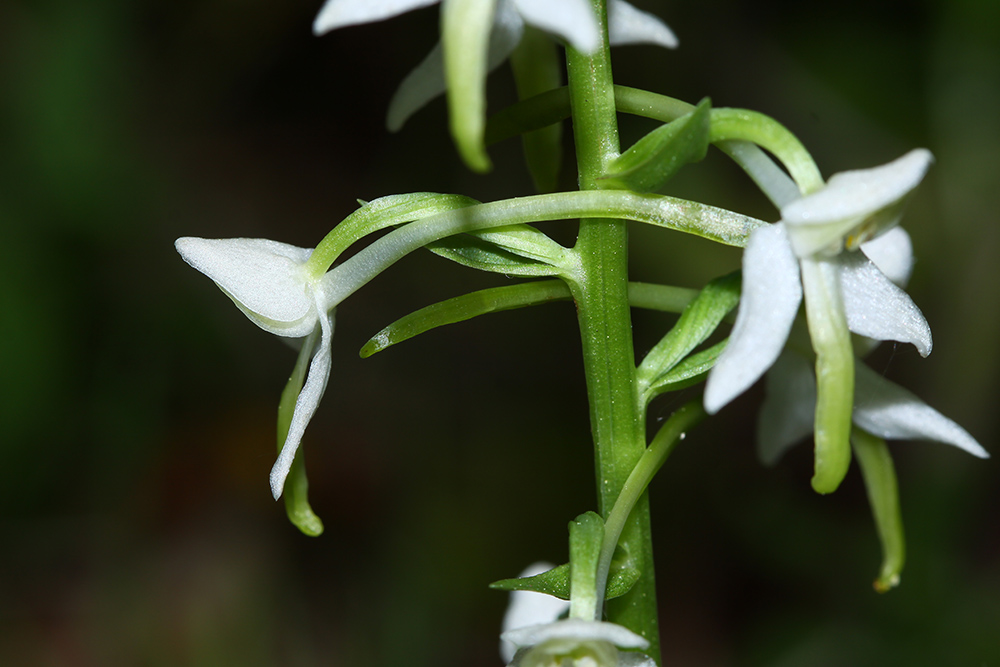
892 253
887 410
877 308
306 404
573 20
859 193
339 13
628 25
264 278
576 629
789 409
772 292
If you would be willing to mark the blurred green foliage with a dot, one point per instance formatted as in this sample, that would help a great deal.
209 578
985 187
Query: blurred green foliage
137 406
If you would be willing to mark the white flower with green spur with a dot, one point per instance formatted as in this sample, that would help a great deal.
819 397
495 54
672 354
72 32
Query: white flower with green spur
501 23
813 252
881 407
268 281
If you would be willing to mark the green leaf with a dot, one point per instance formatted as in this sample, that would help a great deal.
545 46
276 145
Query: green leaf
466 307
652 160
688 372
516 250
883 496
555 582
700 318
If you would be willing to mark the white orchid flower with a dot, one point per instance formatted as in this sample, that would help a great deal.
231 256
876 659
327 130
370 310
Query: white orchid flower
881 407
477 36
813 253
530 608
579 643
268 281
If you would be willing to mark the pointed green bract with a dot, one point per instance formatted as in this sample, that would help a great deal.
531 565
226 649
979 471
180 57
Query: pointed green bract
556 582
655 158
377 215
700 318
586 534
517 250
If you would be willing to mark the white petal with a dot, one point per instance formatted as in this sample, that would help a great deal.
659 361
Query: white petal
426 81
628 25
529 608
885 409
877 308
339 13
823 219
264 279
573 20
789 410
307 402
576 629
892 253
770 298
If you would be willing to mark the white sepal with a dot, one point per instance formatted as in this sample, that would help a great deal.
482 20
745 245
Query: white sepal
265 279
885 409
877 308
789 409
769 300
629 25
573 20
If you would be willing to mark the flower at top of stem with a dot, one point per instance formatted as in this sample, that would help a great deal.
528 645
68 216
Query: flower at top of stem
812 253
268 281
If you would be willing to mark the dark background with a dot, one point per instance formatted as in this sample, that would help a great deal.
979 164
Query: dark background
137 405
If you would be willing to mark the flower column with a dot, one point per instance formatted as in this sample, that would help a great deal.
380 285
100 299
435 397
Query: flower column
606 330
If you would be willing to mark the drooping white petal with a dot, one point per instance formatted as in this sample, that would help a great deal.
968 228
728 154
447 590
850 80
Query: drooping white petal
427 81
307 402
339 13
573 20
789 409
892 254
576 629
852 202
877 308
770 298
885 409
265 279
529 608
629 25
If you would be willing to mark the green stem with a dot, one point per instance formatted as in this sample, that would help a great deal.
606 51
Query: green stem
601 294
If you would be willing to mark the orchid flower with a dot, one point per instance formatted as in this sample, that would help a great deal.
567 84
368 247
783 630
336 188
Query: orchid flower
881 407
528 608
477 36
813 252
268 281
577 642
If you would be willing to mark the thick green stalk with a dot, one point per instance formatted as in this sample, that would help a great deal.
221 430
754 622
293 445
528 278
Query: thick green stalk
601 294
